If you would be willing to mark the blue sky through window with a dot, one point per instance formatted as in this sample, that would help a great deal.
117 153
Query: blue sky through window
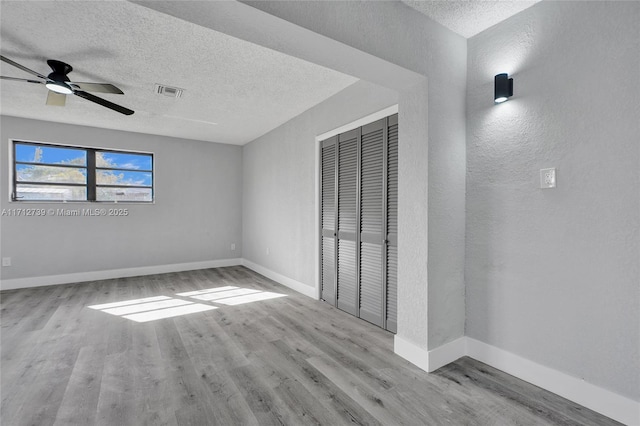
126 161
50 155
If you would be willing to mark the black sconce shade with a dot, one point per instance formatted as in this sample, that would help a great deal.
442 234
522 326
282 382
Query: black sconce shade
503 88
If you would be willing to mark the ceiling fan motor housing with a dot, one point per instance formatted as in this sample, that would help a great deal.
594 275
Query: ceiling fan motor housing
60 70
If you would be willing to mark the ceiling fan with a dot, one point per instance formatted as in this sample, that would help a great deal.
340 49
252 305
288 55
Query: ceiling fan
60 86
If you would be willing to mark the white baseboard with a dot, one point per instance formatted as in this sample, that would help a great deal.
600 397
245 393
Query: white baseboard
411 352
447 353
309 291
610 404
79 277
430 361
17 283
595 398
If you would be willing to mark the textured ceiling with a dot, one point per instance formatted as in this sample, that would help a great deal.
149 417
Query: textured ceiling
469 17
234 92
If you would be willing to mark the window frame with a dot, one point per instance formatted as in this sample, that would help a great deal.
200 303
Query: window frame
91 184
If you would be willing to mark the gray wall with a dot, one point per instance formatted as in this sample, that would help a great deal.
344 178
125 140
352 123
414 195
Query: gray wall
196 216
279 182
552 275
431 151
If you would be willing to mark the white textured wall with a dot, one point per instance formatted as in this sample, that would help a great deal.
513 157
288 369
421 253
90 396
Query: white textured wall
279 182
553 275
196 216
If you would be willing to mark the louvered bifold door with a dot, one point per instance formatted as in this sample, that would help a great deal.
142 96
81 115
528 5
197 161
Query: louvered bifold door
372 290
348 144
328 218
391 241
359 247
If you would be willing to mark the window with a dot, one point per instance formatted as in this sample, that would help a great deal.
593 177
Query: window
43 172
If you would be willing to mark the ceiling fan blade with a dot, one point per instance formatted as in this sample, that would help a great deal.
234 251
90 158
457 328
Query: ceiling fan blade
21 79
56 99
103 102
98 87
22 67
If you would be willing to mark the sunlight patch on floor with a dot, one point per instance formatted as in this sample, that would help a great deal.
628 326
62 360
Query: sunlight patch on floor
225 294
170 312
159 307
207 290
152 308
142 307
247 298
129 302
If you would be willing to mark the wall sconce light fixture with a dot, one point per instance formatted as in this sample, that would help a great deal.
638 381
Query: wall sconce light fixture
503 88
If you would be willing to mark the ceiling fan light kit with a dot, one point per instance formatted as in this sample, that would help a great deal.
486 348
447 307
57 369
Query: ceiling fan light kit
60 85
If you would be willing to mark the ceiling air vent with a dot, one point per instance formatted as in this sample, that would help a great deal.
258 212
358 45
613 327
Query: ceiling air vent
172 92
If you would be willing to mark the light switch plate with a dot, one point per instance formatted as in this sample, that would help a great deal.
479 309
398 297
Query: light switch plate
547 178
6 261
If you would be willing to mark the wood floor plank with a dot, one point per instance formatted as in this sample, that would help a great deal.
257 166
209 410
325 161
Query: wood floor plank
54 354
293 361
335 344
290 360
80 401
291 389
116 403
33 311
206 341
266 406
374 401
211 363
36 401
149 382
527 400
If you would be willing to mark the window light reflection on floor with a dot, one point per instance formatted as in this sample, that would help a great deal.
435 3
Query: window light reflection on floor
207 290
224 294
152 308
129 302
159 307
252 297
170 312
142 307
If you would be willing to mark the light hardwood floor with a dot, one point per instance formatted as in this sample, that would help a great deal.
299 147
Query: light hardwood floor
288 360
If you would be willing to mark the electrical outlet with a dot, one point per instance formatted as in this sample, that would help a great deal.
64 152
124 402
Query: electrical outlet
547 178
233 247
268 251
6 261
